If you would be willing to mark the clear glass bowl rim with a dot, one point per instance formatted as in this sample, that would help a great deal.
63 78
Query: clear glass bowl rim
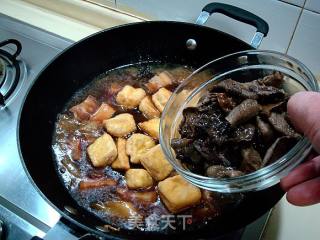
218 184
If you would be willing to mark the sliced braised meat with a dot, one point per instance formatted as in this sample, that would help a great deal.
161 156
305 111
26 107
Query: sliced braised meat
83 110
274 80
267 109
243 112
279 123
235 88
208 102
217 127
187 127
185 150
225 102
206 149
196 122
279 148
243 134
210 153
218 171
233 126
251 160
250 90
75 146
265 129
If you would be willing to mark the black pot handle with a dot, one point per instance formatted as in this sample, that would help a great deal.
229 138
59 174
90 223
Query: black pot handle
14 42
237 14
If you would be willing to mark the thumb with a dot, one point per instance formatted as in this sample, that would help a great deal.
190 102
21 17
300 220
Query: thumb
304 113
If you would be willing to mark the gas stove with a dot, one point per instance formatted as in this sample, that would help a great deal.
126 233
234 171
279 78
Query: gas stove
24 214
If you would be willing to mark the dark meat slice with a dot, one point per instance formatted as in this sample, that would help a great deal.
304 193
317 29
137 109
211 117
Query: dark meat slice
217 127
196 123
180 143
185 150
251 90
243 112
251 160
206 149
208 102
280 147
243 134
83 110
188 128
265 130
274 80
106 182
188 155
280 124
225 102
267 109
218 171
235 88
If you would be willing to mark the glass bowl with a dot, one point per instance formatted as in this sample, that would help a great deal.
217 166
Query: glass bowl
246 65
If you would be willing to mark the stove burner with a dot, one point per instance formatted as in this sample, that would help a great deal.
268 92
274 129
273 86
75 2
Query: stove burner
9 70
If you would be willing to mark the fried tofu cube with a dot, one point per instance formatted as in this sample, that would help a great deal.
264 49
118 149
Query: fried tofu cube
177 194
105 111
130 97
161 98
148 109
151 127
158 81
138 178
137 145
122 161
120 125
156 164
102 151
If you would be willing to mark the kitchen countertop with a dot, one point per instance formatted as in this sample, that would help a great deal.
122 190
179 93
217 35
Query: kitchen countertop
286 221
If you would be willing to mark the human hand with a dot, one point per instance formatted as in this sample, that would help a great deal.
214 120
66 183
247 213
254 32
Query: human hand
303 183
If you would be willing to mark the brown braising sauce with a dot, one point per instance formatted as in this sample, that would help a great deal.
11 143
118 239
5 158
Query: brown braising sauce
72 137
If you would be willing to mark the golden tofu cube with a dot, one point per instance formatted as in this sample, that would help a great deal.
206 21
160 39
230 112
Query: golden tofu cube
158 81
130 97
156 164
161 98
137 145
148 109
102 151
178 194
138 178
151 127
122 161
120 125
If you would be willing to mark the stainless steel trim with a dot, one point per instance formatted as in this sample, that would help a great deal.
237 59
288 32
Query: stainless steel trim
203 17
1 229
257 39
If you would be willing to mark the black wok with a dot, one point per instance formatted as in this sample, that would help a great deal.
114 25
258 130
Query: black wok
82 62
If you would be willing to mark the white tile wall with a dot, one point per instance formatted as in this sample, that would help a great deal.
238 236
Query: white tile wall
305 44
313 5
281 17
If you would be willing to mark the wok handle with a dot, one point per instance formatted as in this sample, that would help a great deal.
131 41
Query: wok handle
237 14
14 42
